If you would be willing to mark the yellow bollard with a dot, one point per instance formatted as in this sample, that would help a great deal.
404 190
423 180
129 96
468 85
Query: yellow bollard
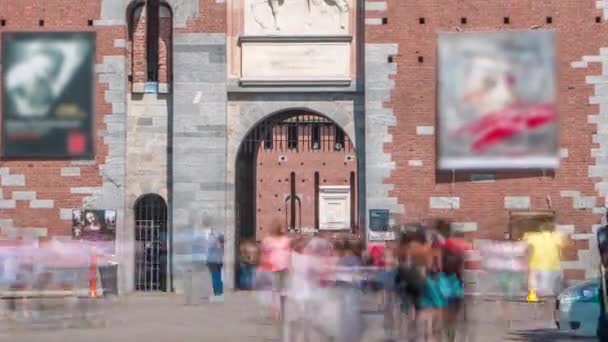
532 298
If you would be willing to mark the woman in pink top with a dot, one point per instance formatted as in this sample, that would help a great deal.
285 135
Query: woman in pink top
276 256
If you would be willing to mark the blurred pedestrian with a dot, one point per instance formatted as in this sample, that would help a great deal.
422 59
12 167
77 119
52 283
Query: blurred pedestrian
432 302
215 262
545 261
453 255
276 258
413 254
387 277
348 284
248 260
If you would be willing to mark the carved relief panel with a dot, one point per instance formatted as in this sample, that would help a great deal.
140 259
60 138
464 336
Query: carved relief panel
297 17
292 42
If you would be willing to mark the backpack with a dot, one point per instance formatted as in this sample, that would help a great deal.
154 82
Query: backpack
450 286
409 281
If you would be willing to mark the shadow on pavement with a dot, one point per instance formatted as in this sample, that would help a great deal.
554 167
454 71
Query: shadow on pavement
545 335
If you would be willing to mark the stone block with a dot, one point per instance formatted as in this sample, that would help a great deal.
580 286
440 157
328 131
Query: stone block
584 202
569 193
164 88
517 202
199 38
13 180
39 204
483 178
83 162
138 87
6 223
581 236
145 121
120 43
597 99
444 202
70 171
8 204
563 153
373 21
600 211
24 195
65 213
594 59
578 64
115 127
85 190
425 130
565 228
414 163
375 6
464 227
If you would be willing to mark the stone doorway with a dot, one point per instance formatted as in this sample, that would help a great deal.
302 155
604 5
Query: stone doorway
286 167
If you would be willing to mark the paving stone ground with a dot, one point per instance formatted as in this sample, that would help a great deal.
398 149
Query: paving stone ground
240 317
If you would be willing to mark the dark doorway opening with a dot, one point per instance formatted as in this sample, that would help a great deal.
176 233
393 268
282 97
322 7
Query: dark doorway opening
151 243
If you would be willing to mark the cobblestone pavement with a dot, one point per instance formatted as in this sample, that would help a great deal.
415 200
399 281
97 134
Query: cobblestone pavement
162 318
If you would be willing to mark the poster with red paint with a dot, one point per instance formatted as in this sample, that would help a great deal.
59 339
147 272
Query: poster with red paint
497 103
47 94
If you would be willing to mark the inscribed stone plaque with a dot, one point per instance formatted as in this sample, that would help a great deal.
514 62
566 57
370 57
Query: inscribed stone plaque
296 61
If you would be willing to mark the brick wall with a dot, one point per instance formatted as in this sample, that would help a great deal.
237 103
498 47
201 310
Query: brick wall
138 44
37 196
273 173
483 200
165 28
211 18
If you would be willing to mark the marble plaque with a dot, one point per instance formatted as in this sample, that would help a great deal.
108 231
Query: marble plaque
296 61
297 17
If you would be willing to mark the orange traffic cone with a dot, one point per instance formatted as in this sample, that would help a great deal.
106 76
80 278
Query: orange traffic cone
93 277
532 298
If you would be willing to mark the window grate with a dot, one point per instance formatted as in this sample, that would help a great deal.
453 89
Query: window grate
297 131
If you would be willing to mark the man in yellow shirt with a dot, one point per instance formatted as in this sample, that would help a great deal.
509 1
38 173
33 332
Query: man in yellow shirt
545 270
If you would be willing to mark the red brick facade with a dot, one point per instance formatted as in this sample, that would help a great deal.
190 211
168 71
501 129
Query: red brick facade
413 102
44 178
414 26
274 169
138 38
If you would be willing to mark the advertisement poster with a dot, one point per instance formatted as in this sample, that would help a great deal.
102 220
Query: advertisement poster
497 106
47 94
94 225
379 225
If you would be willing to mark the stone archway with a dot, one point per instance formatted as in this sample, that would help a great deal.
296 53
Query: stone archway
299 168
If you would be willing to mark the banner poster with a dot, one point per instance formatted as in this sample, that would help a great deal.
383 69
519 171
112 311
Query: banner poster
97 226
497 103
47 94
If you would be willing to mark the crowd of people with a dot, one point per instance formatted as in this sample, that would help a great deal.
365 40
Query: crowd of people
318 284
315 285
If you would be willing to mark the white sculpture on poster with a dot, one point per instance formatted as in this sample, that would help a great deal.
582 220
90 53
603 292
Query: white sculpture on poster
296 17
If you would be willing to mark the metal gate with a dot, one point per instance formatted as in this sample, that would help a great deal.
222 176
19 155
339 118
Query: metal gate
151 244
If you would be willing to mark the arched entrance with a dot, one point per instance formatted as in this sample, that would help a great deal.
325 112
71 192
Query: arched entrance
299 168
151 243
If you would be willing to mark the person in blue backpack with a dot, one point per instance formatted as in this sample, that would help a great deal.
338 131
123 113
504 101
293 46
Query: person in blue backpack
431 304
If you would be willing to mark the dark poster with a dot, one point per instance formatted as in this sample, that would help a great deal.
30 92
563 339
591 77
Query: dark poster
47 94
378 220
94 225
